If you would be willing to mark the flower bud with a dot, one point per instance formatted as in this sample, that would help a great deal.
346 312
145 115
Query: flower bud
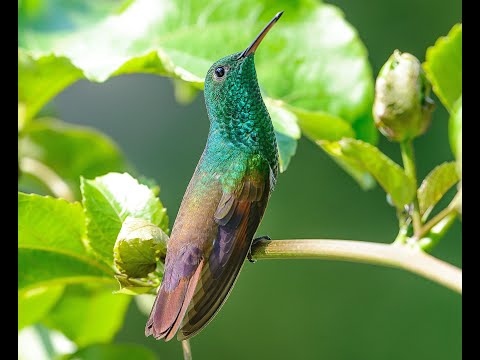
139 247
402 108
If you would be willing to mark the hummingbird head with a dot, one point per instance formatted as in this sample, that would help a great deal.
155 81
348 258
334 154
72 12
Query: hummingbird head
232 96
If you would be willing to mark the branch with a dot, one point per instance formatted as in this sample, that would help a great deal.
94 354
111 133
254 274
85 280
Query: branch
450 209
187 350
408 157
50 178
397 256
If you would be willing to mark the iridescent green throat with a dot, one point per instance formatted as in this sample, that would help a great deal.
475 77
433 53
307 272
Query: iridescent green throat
238 115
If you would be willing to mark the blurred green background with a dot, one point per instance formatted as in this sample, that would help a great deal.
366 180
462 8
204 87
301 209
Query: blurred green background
309 308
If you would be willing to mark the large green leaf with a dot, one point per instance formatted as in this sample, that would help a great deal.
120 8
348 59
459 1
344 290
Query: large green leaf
35 303
51 248
313 60
88 316
435 185
387 173
319 126
113 352
70 151
322 126
355 169
108 200
443 66
39 80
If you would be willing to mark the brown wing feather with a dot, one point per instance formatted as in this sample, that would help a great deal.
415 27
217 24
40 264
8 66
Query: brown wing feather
177 289
238 216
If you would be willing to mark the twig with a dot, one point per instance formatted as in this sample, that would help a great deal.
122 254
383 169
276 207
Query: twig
408 157
452 207
398 256
187 351
50 178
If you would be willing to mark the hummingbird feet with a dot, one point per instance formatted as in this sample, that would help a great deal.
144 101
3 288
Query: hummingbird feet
256 240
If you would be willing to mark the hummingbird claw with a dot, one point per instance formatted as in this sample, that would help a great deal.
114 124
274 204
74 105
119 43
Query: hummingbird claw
256 240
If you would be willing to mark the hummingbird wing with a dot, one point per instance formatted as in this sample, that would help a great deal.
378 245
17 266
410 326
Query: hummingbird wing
178 285
238 215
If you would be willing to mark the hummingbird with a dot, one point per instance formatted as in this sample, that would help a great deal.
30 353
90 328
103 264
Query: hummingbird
224 201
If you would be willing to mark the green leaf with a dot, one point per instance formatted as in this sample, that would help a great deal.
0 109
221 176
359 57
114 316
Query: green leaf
51 248
22 117
323 126
387 173
138 286
435 185
287 147
455 133
180 39
138 248
108 200
150 183
443 66
319 126
184 92
287 131
41 78
284 120
350 165
87 316
70 151
113 352
35 303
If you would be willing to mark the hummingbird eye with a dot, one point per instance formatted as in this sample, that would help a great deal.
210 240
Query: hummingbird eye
219 71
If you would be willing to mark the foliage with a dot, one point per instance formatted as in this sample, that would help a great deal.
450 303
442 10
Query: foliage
171 45
93 229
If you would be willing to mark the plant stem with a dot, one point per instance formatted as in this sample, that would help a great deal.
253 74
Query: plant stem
450 209
431 239
398 256
408 157
187 350
50 178
45 340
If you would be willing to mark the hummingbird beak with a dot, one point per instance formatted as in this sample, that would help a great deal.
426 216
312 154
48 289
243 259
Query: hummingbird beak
253 46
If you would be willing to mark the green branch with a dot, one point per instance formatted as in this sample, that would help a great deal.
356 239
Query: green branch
397 256
445 213
408 157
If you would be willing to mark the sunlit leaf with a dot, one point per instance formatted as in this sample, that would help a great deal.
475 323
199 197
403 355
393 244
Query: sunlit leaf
51 248
313 60
88 316
108 200
40 79
35 303
443 66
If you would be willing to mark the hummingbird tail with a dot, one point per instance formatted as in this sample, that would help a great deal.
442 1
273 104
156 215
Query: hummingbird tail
169 307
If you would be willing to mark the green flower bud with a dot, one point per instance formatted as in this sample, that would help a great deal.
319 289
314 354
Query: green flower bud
139 247
403 107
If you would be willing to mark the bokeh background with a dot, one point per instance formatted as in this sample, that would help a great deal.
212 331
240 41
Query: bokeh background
303 309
